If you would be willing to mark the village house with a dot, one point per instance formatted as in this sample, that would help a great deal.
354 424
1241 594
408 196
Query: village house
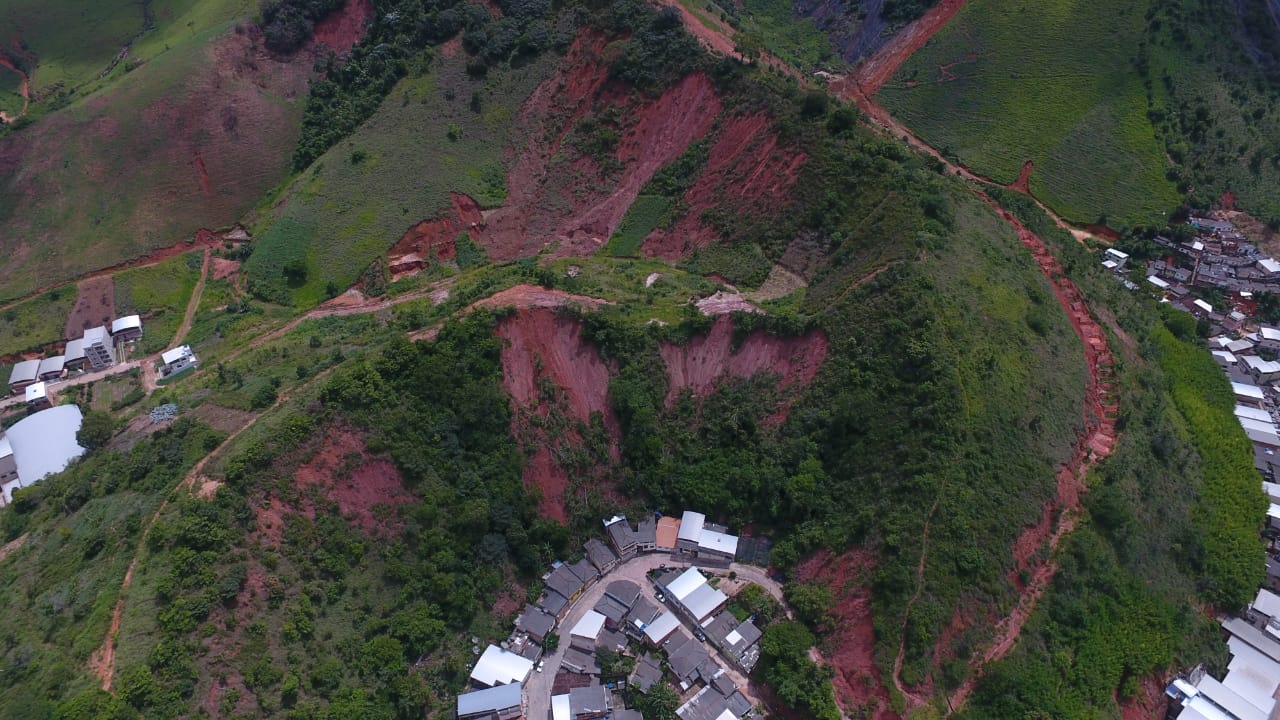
600 556
51 368
497 703
37 396
23 374
177 360
98 348
536 624
73 354
1262 371
500 667
127 328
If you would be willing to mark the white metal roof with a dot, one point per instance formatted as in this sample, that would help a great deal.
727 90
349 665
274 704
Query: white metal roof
728 544
1110 264
499 667
1267 603
50 364
36 391
1197 245
168 357
1259 425
1269 333
1237 346
1271 490
1258 414
74 350
1117 254
98 334
1263 366
703 601
1263 437
1202 305
128 322
1229 699
691 526
25 371
1158 282
5 448
560 708
661 627
1225 356
688 581
44 443
490 699
1269 265
1248 390
589 626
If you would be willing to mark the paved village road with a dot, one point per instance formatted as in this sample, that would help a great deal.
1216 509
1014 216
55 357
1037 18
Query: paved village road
538 688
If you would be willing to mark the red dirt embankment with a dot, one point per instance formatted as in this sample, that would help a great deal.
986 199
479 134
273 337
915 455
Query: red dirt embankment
543 345
852 638
341 30
578 204
705 361
876 70
1149 704
746 169
344 472
436 237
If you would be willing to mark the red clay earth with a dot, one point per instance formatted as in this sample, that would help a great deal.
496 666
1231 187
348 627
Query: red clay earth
414 250
1023 183
224 268
852 639
543 345
203 172
95 306
575 205
746 167
876 70
340 31
1149 704
346 474
704 361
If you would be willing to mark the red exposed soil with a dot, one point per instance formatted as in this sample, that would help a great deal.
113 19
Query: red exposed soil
357 483
95 306
541 344
1150 704
853 636
704 361
1228 201
224 268
435 237
747 168
203 172
563 198
1023 183
340 31
876 70
716 40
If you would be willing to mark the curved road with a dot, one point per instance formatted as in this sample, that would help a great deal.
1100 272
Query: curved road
538 688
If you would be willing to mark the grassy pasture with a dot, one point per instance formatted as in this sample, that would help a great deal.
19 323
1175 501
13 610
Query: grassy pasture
159 293
396 170
1054 83
36 322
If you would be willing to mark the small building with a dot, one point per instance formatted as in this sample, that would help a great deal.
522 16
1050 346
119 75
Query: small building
560 707
621 536
51 368
1200 308
1247 394
1224 358
582 662
37 396
648 673
690 530
500 667
73 355
23 374
600 556
98 348
1251 413
127 328
1116 257
586 572
613 611
658 631
1161 284
8 466
553 604
177 360
565 582
694 597
1269 266
623 591
666 533
584 633
1269 339
588 703
718 546
536 624
1262 371
647 534
611 640
496 703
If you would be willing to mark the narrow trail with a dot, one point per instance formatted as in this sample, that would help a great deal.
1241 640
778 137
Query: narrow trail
914 700
193 302
102 661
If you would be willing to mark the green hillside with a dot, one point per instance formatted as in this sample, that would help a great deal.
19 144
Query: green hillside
1055 84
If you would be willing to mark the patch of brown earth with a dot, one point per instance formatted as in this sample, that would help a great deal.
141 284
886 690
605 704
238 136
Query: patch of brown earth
545 347
224 268
1149 704
850 646
1023 183
876 70
559 196
341 30
722 302
221 418
358 483
434 239
95 306
704 361
747 169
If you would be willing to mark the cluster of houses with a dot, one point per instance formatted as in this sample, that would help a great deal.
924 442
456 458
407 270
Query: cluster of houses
1248 689
625 618
96 349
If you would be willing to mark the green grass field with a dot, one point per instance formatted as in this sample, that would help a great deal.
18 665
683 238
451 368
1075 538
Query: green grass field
159 293
36 322
396 170
1053 83
645 214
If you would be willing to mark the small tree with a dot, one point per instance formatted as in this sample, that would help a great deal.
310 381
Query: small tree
96 430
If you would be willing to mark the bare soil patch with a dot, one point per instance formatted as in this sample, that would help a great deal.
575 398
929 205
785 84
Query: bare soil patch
224 268
221 418
1150 704
95 306
723 302
704 361
357 482
780 283
434 239
341 30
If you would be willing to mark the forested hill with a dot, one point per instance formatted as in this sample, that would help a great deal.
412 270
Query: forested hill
538 264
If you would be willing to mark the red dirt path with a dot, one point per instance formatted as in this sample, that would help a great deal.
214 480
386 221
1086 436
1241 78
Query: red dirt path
1023 183
876 70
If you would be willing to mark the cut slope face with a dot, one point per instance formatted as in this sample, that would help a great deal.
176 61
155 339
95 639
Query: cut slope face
548 368
706 360
560 191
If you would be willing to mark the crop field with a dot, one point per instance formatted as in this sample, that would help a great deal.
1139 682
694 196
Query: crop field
440 133
170 147
1052 83
36 322
159 293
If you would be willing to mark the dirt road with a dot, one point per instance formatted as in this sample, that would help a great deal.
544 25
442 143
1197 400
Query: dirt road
193 303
